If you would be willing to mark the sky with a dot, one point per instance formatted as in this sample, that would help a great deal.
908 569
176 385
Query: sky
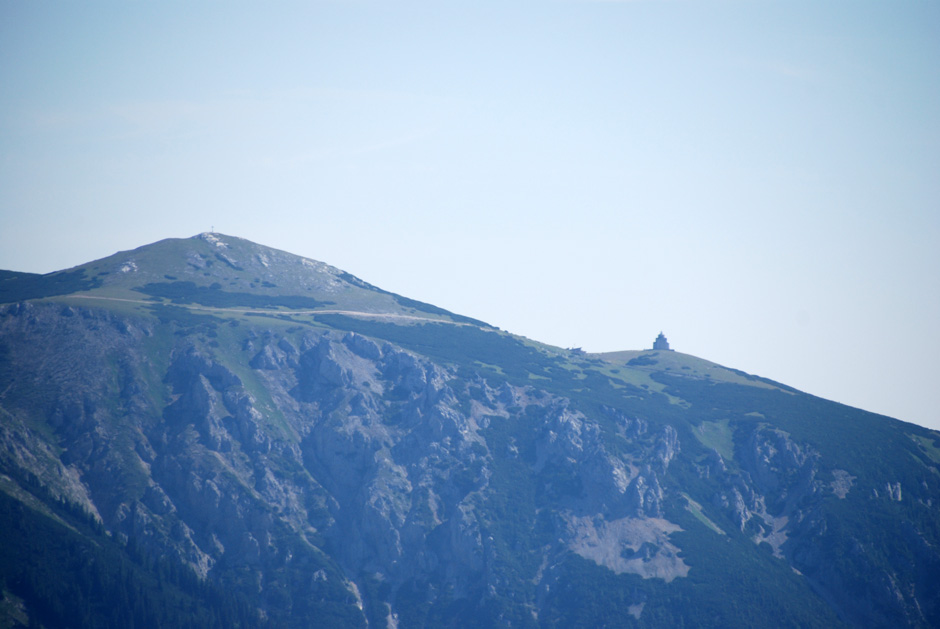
759 180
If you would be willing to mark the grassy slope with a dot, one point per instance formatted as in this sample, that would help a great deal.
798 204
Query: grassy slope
711 406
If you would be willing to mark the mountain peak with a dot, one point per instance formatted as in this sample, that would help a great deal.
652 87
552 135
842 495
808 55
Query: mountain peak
211 407
217 271
212 237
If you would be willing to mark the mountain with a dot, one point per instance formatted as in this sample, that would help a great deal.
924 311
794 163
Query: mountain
208 432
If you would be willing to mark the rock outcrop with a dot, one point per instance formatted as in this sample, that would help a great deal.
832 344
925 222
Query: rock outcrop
387 469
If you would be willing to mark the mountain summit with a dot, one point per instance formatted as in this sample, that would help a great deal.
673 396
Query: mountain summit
209 432
215 271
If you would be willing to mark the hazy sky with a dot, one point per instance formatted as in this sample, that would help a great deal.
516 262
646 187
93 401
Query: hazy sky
759 180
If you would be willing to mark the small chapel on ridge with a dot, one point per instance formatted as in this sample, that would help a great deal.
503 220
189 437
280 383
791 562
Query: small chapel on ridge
661 343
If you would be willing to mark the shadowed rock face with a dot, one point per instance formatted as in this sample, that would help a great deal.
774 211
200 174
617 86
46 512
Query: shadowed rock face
332 476
379 454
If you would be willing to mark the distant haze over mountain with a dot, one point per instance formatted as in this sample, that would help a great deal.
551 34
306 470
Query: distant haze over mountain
847 360
210 432
758 181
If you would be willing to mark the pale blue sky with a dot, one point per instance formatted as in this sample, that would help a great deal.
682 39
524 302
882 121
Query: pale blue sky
760 180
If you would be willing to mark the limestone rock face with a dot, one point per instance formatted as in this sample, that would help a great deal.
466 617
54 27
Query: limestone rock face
380 453
337 455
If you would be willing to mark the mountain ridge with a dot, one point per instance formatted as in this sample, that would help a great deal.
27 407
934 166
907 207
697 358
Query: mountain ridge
118 274
192 271
378 461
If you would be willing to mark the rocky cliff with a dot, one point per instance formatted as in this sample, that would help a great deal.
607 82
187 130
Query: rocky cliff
327 452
